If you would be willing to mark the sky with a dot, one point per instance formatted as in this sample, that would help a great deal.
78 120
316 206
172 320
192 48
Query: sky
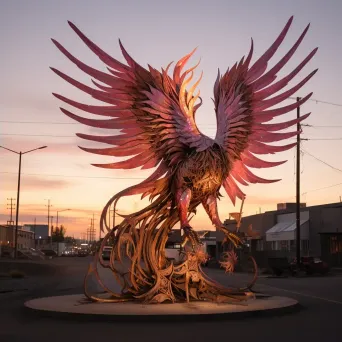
155 33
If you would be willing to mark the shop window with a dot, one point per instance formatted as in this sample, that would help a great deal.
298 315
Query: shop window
259 245
292 245
305 245
335 245
284 245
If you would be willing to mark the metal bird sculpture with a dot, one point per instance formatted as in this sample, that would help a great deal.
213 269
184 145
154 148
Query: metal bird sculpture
155 114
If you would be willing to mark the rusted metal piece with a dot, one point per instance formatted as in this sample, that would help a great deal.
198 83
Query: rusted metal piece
154 279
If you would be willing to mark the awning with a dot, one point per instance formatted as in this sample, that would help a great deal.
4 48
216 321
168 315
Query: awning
287 231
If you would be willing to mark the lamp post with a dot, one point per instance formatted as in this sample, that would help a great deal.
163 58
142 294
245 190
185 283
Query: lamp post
59 211
48 217
18 194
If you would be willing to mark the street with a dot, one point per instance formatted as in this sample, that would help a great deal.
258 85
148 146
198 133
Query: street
321 298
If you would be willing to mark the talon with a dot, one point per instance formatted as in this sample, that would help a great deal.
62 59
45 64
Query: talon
232 237
192 236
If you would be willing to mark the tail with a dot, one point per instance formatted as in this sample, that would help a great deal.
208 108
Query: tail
140 240
152 185
141 237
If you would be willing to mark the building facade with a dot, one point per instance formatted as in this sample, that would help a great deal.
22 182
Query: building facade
41 231
7 237
321 233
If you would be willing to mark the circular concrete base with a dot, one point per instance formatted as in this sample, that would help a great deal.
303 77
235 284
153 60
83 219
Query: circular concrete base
75 306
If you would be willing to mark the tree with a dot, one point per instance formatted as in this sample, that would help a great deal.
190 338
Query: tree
58 234
69 240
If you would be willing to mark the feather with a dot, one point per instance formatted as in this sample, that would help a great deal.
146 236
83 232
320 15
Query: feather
112 111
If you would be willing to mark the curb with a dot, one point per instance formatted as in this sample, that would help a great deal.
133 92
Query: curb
29 268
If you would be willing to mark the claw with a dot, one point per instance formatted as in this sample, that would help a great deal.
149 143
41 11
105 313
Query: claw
192 236
232 237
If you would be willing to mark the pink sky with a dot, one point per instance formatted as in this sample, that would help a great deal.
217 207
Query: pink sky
156 33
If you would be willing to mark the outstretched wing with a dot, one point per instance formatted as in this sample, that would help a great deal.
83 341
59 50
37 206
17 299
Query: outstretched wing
154 112
241 103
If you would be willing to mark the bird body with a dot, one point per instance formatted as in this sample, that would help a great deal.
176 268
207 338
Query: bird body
202 172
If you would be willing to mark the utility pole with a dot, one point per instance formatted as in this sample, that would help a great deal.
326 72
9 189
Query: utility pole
108 217
92 230
94 233
87 232
11 207
50 229
298 190
34 231
114 215
17 210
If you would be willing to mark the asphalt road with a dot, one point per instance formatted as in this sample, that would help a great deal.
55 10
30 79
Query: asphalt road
321 298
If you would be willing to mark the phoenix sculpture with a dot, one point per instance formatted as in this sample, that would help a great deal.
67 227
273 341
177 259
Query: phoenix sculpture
155 115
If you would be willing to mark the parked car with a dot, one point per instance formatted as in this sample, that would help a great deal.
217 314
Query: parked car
106 252
279 265
49 253
69 253
310 265
82 253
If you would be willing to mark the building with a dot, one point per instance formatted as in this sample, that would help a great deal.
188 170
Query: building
7 237
40 230
321 232
208 238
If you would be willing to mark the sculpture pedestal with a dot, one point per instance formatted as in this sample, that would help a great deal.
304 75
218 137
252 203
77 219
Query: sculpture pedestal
76 307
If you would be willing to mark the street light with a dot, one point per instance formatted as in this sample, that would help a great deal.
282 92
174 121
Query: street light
18 194
59 211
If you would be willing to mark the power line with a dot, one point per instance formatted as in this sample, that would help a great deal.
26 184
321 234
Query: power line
322 161
124 178
40 122
77 123
64 123
332 139
39 135
67 176
136 178
73 136
320 101
323 188
319 126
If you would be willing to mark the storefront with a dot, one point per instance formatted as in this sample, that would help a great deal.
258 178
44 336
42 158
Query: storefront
282 236
331 248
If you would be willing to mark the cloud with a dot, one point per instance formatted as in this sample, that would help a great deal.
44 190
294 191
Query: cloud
38 184
30 101
76 220
256 200
23 143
